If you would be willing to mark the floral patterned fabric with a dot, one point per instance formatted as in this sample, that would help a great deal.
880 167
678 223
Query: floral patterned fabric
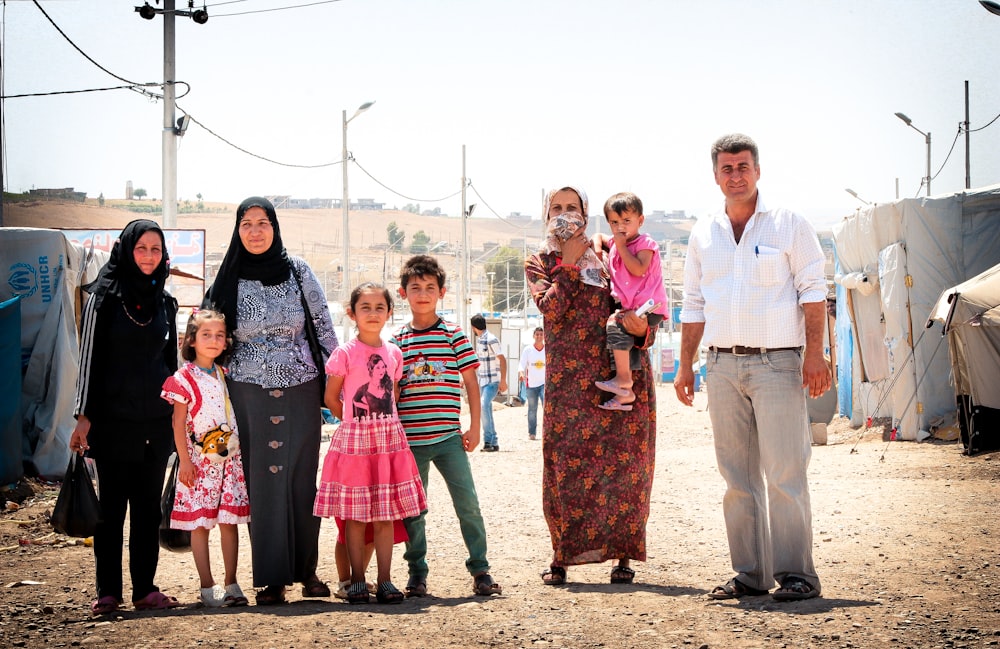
597 464
219 493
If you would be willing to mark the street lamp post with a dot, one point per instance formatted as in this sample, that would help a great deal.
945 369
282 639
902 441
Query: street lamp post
927 138
855 195
345 206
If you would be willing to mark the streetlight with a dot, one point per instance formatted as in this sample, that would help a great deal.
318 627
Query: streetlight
171 128
927 138
346 283
855 195
990 6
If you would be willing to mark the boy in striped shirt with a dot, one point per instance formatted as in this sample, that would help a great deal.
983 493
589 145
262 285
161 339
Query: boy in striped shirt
437 359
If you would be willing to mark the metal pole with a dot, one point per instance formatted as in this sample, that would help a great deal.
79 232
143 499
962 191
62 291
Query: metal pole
968 172
928 163
463 287
169 171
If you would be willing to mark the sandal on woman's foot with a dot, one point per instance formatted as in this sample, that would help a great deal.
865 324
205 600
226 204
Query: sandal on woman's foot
733 589
104 605
313 587
416 586
622 575
794 588
156 601
387 593
358 593
271 595
554 576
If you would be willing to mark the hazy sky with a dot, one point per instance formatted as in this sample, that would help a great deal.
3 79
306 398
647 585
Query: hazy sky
612 96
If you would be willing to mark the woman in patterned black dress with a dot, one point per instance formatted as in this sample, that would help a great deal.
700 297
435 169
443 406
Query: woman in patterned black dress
597 464
277 393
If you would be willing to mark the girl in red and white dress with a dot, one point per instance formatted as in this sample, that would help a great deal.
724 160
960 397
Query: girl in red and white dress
369 475
211 488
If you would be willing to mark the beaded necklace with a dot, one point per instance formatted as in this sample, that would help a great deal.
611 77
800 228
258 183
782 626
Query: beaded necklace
141 324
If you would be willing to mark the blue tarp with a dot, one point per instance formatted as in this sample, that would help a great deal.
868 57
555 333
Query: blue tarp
11 467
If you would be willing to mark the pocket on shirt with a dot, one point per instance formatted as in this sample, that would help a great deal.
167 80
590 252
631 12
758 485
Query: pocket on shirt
768 268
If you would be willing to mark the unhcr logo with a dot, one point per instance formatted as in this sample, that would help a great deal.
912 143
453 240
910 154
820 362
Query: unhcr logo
23 280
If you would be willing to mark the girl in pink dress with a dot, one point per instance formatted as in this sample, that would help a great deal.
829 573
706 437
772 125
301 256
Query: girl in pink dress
211 488
369 475
636 283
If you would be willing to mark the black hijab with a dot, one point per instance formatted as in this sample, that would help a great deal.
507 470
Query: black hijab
121 277
269 267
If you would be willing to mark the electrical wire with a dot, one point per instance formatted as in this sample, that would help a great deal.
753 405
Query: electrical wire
101 67
67 92
950 151
494 212
409 198
989 123
261 11
255 155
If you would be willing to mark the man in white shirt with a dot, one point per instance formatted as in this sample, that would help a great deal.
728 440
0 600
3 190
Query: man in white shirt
532 372
754 290
492 375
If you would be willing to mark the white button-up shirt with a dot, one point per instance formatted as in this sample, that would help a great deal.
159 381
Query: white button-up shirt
748 293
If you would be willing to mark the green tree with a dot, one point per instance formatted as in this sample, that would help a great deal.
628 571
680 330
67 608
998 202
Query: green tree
413 209
507 266
139 193
396 236
420 243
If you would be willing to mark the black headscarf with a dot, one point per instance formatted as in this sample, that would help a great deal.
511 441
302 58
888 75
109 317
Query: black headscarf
120 276
269 267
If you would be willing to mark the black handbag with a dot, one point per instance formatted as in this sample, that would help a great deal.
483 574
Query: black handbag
171 539
77 510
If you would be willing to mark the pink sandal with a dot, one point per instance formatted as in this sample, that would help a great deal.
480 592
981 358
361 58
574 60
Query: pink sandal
613 404
104 605
156 601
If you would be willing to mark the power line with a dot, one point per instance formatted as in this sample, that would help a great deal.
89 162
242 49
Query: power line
261 11
255 155
101 67
495 213
384 186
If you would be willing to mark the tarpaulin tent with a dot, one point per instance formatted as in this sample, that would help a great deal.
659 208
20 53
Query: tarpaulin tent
894 260
45 270
970 313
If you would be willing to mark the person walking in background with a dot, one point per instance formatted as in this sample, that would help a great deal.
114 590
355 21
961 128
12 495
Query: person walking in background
370 479
437 360
282 334
636 283
128 348
492 375
597 465
754 291
531 372
211 488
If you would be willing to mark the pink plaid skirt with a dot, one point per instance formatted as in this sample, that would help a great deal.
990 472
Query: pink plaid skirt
369 474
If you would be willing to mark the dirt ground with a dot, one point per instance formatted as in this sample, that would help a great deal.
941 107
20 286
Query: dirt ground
906 543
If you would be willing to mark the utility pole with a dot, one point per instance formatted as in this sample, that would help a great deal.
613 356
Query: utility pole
171 129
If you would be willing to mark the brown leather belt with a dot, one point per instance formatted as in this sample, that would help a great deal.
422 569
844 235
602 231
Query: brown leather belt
740 350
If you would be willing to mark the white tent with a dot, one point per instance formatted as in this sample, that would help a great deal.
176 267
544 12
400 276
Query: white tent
970 313
894 260
45 270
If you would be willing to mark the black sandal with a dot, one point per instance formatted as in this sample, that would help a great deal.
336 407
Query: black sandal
622 575
734 589
270 596
358 593
556 574
313 587
416 586
483 584
387 593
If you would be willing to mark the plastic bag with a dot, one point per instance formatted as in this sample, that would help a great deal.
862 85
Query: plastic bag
77 510
171 539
